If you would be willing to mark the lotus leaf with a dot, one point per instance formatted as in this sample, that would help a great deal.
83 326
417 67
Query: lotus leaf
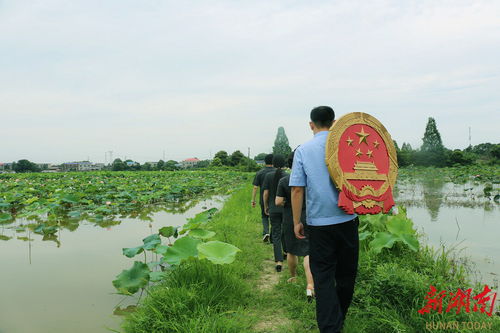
218 252
130 281
182 249
201 233
131 252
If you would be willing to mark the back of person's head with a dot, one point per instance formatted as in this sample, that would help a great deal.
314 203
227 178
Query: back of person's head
278 161
289 161
322 116
268 159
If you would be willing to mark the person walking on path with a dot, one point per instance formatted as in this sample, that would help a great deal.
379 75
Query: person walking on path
258 182
275 212
295 247
333 234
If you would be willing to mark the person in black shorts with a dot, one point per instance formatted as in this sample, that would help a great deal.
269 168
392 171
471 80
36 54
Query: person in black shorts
295 247
258 182
275 212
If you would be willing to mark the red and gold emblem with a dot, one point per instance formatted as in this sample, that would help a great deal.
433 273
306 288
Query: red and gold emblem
362 162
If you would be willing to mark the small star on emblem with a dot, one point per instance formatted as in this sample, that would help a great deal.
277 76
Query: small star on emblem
358 152
376 144
369 153
349 141
362 135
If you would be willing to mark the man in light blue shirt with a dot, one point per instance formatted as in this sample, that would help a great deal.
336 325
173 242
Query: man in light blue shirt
333 234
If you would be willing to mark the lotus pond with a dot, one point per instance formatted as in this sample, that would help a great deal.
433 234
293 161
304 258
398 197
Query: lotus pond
458 209
62 235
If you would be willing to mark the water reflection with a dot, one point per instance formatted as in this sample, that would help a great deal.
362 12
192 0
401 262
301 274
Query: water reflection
9 230
62 281
433 195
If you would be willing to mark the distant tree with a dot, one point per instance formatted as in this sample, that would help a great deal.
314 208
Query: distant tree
216 162
170 165
25 166
260 157
281 145
118 165
432 151
458 157
160 165
432 139
495 151
146 167
406 147
223 157
202 164
236 157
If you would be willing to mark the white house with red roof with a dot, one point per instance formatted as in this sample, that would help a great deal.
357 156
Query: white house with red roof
189 162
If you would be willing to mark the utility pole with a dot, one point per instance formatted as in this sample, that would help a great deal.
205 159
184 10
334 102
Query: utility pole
248 159
163 155
470 140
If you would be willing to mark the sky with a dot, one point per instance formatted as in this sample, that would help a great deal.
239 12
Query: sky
148 79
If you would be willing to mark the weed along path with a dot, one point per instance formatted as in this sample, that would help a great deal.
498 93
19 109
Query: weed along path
249 296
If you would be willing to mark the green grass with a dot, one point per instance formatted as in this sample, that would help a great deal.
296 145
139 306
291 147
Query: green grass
390 288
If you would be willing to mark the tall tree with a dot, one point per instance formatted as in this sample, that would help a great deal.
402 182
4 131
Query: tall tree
281 145
432 139
236 157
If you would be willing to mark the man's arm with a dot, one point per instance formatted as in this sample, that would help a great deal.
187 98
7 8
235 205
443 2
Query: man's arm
297 201
254 192
265 196
279 201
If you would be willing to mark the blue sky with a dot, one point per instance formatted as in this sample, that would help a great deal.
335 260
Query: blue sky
79 78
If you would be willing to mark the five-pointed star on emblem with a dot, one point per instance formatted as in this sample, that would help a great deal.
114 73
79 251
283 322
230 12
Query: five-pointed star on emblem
349 141
362 135
358 152
376 144
369 153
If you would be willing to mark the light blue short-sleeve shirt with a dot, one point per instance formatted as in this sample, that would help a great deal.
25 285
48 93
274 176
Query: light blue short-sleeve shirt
309 170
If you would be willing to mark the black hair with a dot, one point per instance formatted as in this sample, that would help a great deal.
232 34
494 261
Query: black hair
268 159
289 161
322 116
278 163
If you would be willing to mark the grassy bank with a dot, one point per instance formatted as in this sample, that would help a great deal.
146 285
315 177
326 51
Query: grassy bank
202 297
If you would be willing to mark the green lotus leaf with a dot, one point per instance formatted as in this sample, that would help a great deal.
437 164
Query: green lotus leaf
364 235
153 264
182 249
381 240
44 229
218 252
400 226
411 241
69 198
161 249
130 281
167 231
201 233
75 214
5 217
5 238
151 242
156 276
131 252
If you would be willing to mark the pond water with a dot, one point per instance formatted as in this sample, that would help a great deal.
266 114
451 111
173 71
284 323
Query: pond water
459 217
63 284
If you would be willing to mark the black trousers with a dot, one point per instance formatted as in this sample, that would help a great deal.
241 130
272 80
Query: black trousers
276 222
333 258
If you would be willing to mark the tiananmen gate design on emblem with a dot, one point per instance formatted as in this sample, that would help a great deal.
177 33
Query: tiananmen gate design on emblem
361 159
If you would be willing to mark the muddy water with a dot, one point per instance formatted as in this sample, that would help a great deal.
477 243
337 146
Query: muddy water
459 217
63 284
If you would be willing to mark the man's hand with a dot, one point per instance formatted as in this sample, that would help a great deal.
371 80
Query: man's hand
266 211
299 231
253 203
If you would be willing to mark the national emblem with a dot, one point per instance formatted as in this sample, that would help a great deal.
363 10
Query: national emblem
363 170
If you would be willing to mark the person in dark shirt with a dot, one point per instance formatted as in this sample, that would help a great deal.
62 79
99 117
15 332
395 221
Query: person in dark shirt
275 212
258 182
295 247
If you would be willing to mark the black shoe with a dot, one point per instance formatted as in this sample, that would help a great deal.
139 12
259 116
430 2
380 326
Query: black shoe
278 268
